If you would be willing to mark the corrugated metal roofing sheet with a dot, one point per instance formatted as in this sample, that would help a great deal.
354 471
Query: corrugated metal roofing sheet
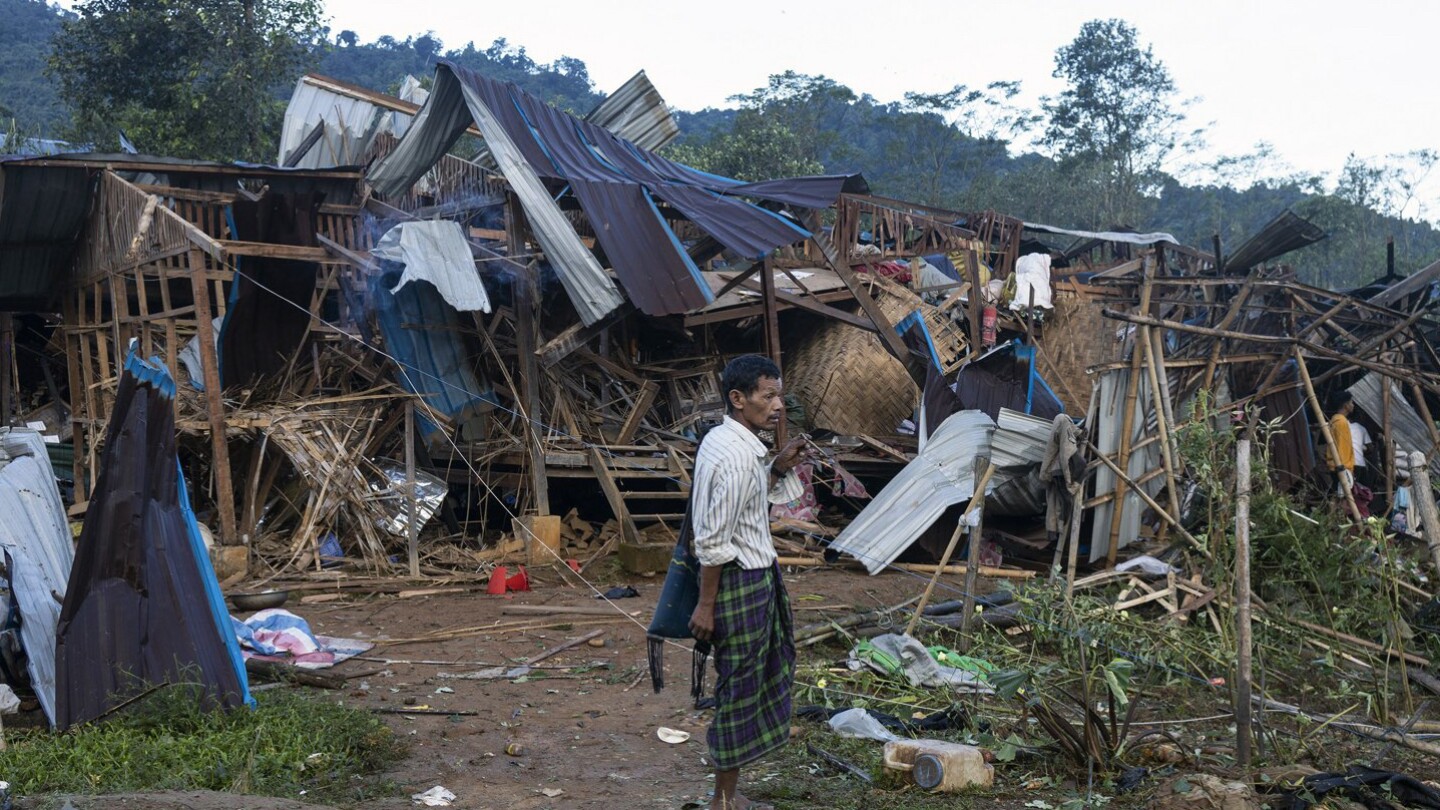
616 182
42 211
349 122
1108 428
1406 426
637 113
942 475
35 534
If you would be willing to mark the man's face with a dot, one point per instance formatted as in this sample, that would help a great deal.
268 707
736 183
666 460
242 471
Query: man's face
761 409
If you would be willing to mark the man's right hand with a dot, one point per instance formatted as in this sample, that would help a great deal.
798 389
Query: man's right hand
702 622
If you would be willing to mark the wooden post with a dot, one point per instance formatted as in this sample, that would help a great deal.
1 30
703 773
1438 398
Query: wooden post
1243 641
976 498
214 403
772 333
1324 428
1127 422
412 511
1073 551
1425 498
972 556
527 331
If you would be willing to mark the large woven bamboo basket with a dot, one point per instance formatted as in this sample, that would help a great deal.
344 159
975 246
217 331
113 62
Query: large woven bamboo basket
846 379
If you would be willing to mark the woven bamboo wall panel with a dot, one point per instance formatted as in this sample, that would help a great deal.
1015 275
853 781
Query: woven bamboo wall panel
845 378
1076 337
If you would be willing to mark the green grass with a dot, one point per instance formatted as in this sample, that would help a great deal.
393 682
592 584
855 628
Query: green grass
290 743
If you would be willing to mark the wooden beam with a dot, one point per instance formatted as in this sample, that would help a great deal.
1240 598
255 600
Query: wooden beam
628 532
648 392
215 403
577 335
1325 431
269 251
888 336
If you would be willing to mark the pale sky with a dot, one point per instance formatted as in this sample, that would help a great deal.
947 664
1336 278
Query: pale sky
1318 79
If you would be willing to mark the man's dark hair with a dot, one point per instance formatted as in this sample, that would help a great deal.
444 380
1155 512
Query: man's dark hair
1339 400
743 374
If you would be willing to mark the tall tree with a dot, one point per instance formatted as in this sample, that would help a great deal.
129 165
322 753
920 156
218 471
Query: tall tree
1118 111
190 78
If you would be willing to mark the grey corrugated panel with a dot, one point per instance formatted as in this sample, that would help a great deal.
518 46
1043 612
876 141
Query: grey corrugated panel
637 113
42 211
1020 439
941 476
1281 235
1108 428
1106 236
1406 426
348 121
36 534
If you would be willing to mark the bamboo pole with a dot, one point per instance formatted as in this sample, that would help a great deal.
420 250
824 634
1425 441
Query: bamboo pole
412 512
976 498
1244 646
1167 454
972 557
772 333
1149 501
1324 429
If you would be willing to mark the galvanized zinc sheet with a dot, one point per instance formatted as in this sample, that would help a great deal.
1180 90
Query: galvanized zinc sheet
35 535
941 476
1108 427
637 113
1406 426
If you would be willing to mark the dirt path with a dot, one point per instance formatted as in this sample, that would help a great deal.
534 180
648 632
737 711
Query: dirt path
590 736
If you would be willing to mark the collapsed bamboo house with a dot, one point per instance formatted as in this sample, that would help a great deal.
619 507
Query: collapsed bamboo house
569 386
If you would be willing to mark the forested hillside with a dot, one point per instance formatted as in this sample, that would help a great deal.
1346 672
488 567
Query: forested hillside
970 148
28 101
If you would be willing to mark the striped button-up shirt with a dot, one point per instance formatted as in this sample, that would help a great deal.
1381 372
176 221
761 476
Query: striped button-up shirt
731 497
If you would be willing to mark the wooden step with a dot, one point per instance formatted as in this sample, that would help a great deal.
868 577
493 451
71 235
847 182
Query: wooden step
646 496
657 518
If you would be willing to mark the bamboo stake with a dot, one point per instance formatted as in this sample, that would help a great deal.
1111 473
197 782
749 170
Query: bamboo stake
975 499
1166 449
1244 735
412 511
1324 429
972 558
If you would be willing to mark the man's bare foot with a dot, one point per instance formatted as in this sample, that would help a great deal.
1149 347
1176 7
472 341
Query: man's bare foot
738 802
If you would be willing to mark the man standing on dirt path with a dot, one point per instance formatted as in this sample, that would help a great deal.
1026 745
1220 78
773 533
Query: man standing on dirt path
743 610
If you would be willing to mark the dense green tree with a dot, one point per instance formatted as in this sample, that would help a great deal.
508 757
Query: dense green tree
1118 112
189 78
758 147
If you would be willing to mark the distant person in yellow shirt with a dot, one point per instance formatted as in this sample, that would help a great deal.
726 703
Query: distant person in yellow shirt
1342 455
